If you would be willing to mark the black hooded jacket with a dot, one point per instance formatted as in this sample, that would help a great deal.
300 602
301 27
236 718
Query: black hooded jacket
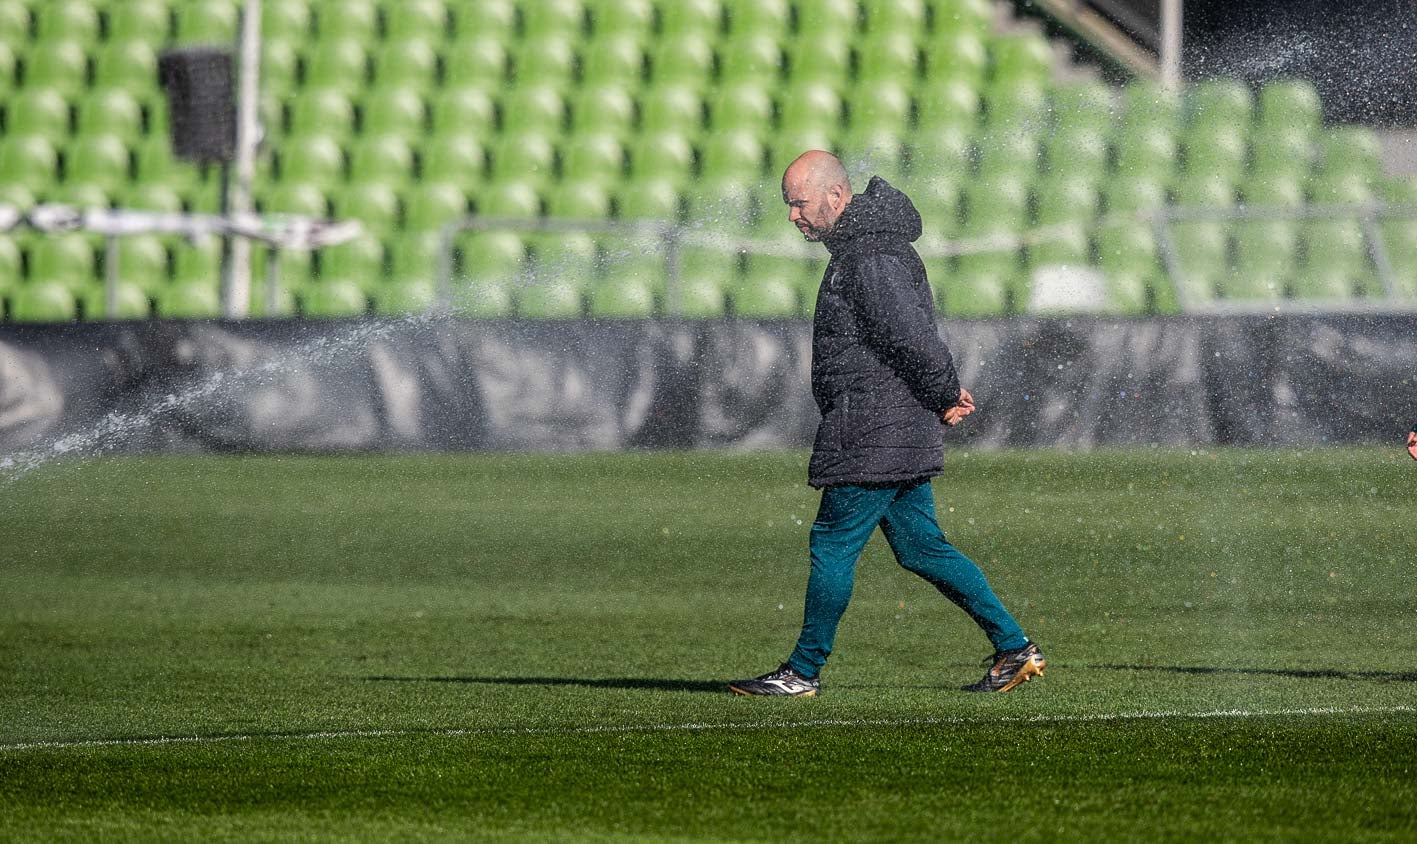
881 375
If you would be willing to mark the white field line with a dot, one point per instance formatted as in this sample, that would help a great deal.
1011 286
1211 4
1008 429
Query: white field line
727 726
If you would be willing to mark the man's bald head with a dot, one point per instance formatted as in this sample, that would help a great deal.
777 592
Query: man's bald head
816 189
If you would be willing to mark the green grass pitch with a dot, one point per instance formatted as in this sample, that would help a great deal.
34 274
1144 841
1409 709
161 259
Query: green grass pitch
535 647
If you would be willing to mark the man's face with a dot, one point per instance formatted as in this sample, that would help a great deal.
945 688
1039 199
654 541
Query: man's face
812 210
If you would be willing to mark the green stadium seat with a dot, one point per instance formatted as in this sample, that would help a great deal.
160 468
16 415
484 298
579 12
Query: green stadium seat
479 60
109 111
1290 103
662 155
1253 286
550 299
456 158
1133 196
971 293
315 159
491 18
321 111
697 17
337 62
79 194
891 16
948 103
617 59
824 57
599 156
1341 188
784 147
1084 105
1148 104
723 203
43 302
1266 247
381 158
292 197
751 57
203 196
1063 245
617 17
538 108
1010 153
1016 102
1215 149
99 160
374 203
648 200
682 57
337 20
15 22
1205 190
148 21
130 302
891 56
431 204
526 157
496 254
37 111
1334 286
671 107
770 17
938 200
552 17
956 55
9 67
465 110
621 298
547 60
334 298
68 259
583 199
1273 189
422 19
883 105
732 154
1126 249
1202 247
740 106
942 152
570 255
59 65
1020 57
360 261
66 20
415 256
143 261
827 17
405 296
1146 150
700 297
205 22
16 195
1282 150
764 297
603 108
1078 150
285 19
1335 246
154 163
482 298
877 150
409 62
1225 102
1066 196
509 200
1351 149
132 65
394 111
810 105
197 261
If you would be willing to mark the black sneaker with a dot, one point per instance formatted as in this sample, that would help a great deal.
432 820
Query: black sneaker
1007 669
783 681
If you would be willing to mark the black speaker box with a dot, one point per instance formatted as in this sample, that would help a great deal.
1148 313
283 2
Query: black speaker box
201 103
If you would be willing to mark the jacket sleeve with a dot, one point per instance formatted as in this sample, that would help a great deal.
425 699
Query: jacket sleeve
899 326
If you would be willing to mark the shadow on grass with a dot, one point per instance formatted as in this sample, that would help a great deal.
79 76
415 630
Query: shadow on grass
1299 673
633 683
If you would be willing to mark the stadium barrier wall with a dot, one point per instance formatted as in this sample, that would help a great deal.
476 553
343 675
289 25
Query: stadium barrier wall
437 384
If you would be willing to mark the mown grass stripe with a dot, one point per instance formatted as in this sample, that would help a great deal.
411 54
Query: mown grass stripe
155 741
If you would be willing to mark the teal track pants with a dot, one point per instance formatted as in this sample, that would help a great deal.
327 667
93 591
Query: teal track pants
906 515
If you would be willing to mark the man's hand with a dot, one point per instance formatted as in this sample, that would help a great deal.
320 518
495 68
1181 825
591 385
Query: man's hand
1412 444
954 415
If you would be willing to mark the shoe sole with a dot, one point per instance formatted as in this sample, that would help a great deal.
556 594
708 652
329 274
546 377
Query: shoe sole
737 691
1033 668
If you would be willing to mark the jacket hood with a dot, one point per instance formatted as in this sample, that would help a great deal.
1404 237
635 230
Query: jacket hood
880 210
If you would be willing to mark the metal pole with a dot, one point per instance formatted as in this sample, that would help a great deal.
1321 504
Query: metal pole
1171 43
236 287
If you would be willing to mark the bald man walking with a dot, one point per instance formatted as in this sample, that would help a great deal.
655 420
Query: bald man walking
884 382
